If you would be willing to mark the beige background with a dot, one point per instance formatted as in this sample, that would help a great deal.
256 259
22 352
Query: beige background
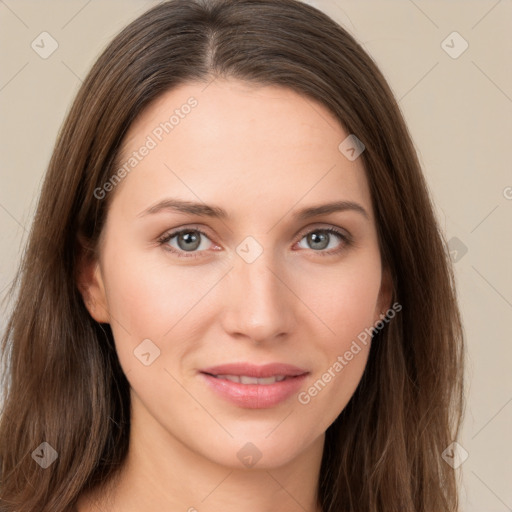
459 111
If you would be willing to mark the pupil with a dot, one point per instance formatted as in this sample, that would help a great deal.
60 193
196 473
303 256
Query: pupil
189 237
318 239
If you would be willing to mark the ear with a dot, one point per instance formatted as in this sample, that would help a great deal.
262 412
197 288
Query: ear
90 284
385 294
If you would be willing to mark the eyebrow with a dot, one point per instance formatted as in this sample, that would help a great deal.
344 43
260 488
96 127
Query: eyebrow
204 210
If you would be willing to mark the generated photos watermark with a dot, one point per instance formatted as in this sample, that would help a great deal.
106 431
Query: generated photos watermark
305 397
152 140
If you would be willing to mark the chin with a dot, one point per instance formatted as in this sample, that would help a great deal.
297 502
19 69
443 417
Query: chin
259 451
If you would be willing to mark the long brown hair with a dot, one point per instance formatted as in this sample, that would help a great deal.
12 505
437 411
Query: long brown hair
63 381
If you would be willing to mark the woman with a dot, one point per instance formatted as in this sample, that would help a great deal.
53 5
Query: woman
235 292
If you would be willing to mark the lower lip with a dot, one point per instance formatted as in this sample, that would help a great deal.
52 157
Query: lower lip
255 396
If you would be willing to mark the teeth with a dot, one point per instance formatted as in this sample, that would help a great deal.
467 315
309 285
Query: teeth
232 378
244 379
250 380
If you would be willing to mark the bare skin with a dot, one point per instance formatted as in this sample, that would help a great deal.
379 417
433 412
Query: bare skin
262 154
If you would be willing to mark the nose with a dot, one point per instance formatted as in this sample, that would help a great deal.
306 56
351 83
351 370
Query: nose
259 304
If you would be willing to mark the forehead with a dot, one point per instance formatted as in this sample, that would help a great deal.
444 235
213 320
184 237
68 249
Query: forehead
227 111
241 145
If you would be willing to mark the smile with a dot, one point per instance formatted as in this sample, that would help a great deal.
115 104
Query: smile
254 386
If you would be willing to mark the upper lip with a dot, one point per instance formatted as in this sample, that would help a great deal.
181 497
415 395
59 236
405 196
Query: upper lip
252 370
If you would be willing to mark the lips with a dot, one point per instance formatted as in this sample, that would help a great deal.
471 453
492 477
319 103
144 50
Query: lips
252 386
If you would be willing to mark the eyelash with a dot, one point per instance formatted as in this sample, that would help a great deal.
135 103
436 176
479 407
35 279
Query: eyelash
164 239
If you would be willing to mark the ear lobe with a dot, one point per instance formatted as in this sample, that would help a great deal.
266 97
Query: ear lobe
91 287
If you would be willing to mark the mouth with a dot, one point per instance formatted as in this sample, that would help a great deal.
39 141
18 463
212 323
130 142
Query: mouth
254 387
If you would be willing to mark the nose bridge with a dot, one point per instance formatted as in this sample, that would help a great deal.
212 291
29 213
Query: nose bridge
260 305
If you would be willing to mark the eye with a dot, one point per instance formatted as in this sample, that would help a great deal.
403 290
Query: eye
188 240
321 238
189 244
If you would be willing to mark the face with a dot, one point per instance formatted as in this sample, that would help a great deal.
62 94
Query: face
251 282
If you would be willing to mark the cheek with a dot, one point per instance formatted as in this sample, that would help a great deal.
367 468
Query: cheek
346 305
348 309
149 298
149 301
344 299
